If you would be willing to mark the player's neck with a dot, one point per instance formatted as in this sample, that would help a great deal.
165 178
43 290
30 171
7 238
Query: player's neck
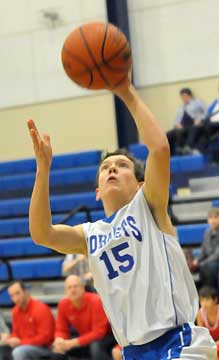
114 203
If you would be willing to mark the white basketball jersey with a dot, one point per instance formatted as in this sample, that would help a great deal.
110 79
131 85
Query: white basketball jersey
140 273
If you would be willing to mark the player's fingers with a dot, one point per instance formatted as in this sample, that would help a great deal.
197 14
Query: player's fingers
46 138
35 139
31 125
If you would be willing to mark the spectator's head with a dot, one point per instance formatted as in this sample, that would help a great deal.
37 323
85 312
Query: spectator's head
119 171
74 288
18 293
186 95
213 218
208 297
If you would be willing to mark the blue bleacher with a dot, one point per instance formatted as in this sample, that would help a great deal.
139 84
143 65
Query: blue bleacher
57 177
191 234
20 227
33 269
85 158
178 164
59 203
15 247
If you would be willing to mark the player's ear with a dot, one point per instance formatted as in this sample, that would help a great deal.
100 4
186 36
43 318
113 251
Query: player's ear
98 194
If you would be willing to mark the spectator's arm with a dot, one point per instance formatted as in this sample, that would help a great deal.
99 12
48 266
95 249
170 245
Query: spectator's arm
204 247
99 325
68 265
45 329
15 326
212 257
62 325
178 118
202 110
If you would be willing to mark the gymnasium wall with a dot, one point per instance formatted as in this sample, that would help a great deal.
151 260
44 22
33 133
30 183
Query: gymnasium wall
174 45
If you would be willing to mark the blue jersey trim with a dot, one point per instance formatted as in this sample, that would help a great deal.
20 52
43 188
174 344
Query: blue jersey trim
171 280
110 218
211 107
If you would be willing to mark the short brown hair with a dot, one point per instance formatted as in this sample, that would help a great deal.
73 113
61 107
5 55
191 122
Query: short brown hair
20 283
213 212
138 164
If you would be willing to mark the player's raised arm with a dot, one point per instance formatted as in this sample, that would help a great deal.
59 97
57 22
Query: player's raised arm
63 238
157 173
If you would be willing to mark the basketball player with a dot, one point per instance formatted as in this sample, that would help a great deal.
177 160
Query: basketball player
138 266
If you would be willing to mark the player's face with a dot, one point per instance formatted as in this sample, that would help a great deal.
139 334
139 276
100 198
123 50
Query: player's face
213 222
18 295
207 303
116 174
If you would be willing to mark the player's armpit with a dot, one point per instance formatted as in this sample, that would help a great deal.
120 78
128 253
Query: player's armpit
156 187
66 239
157 178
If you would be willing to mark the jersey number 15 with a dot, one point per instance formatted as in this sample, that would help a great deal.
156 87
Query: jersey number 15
126 261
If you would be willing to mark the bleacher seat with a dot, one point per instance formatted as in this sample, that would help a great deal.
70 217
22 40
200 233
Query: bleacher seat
59 203
181 164
178 164
85 158
20 227
191 234
139 151
57 177
192 212
33 269
20 247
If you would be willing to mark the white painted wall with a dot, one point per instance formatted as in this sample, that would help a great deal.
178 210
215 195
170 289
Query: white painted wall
30 65
174 40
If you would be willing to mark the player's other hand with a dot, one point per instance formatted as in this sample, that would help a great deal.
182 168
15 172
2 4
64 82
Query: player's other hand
42 147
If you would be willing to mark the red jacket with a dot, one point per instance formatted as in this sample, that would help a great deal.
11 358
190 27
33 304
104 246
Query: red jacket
33 325
89 320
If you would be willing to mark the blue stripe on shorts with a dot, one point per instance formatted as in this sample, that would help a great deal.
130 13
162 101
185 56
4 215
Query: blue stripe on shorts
166 347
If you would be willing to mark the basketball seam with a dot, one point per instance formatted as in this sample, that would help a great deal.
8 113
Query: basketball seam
93 58
82 62
106 61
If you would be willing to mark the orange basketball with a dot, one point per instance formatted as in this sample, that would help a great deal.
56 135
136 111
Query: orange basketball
97 55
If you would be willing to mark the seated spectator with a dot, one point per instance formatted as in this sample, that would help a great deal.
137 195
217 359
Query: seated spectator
208 261
77 264
4 330
190 115
82 312
5 353
117 352
32 325
208 315
209 131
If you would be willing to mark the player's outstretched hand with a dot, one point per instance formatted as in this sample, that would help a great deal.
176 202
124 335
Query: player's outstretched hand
42 147
123 89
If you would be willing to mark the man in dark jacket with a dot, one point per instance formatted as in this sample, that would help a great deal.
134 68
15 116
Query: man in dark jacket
208 262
